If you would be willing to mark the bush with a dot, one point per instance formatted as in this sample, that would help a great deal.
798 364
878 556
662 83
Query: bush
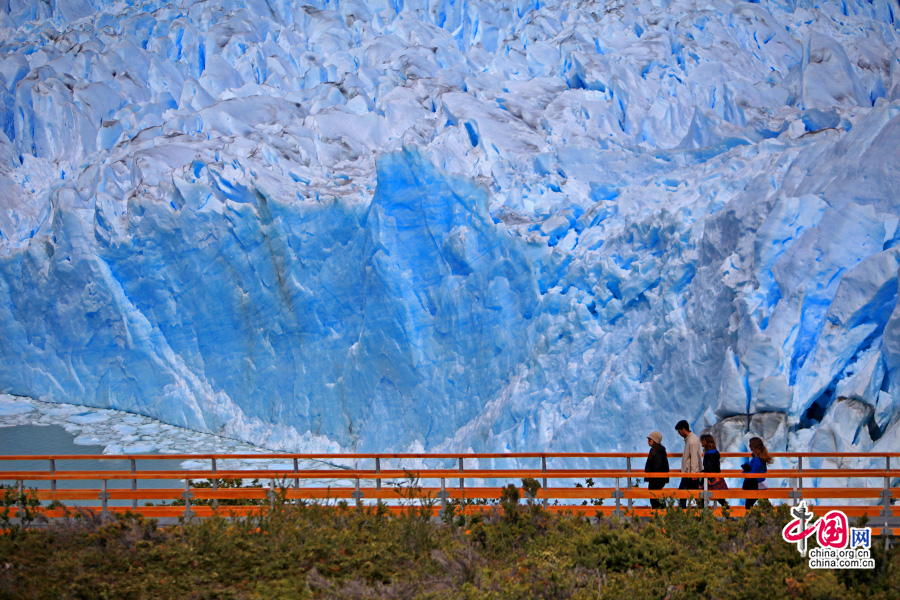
513 551
20 505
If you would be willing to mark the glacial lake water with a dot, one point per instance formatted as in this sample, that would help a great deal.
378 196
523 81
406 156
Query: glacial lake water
55 440
30 439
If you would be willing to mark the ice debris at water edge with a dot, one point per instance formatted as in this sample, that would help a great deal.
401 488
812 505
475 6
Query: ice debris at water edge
124 433
482 225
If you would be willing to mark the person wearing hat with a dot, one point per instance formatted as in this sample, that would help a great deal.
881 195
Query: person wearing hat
657 462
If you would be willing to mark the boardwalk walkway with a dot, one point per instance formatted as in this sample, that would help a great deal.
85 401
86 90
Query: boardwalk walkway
859 484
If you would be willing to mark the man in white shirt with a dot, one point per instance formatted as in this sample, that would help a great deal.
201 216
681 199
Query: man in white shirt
691 460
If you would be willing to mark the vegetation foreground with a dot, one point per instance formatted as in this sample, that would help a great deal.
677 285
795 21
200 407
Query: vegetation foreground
515 551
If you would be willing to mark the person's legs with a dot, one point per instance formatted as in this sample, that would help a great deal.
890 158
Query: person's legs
655 486
687 484
720 486
750 484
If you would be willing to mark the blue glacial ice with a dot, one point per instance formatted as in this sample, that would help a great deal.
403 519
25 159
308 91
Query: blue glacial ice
512 225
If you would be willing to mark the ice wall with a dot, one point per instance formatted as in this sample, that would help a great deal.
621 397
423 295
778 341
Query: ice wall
515 225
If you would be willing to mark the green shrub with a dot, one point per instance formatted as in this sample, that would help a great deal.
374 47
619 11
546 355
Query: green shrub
20 505
514 551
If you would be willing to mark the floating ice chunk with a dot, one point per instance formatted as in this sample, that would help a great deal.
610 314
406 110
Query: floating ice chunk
139 448
9 407
88 418
87 440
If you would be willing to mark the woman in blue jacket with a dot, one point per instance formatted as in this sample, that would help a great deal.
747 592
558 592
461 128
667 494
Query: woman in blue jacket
758 463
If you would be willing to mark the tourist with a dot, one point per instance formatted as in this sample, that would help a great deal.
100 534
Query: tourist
757 464
691 460
712 464
657 462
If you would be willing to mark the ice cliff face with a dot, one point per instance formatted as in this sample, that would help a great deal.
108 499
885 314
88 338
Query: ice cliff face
492 225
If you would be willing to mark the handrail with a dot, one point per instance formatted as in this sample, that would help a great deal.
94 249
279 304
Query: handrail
279 455
437 474
624 492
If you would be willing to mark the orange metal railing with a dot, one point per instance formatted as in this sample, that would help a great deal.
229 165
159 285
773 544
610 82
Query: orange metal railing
856 491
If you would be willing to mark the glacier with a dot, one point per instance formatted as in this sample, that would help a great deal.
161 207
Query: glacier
516 225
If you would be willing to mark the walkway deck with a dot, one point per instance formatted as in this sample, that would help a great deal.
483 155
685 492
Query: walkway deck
827 481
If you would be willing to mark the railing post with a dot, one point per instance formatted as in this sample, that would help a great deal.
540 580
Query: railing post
462 482
20 485
357 494
134 502
628 468
377 471
104 498
443 495
707 495
886 504
215 483
52 472
187 495
618 494
544 480
296 480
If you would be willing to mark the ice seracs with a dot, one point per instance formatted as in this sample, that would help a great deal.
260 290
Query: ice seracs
487 225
